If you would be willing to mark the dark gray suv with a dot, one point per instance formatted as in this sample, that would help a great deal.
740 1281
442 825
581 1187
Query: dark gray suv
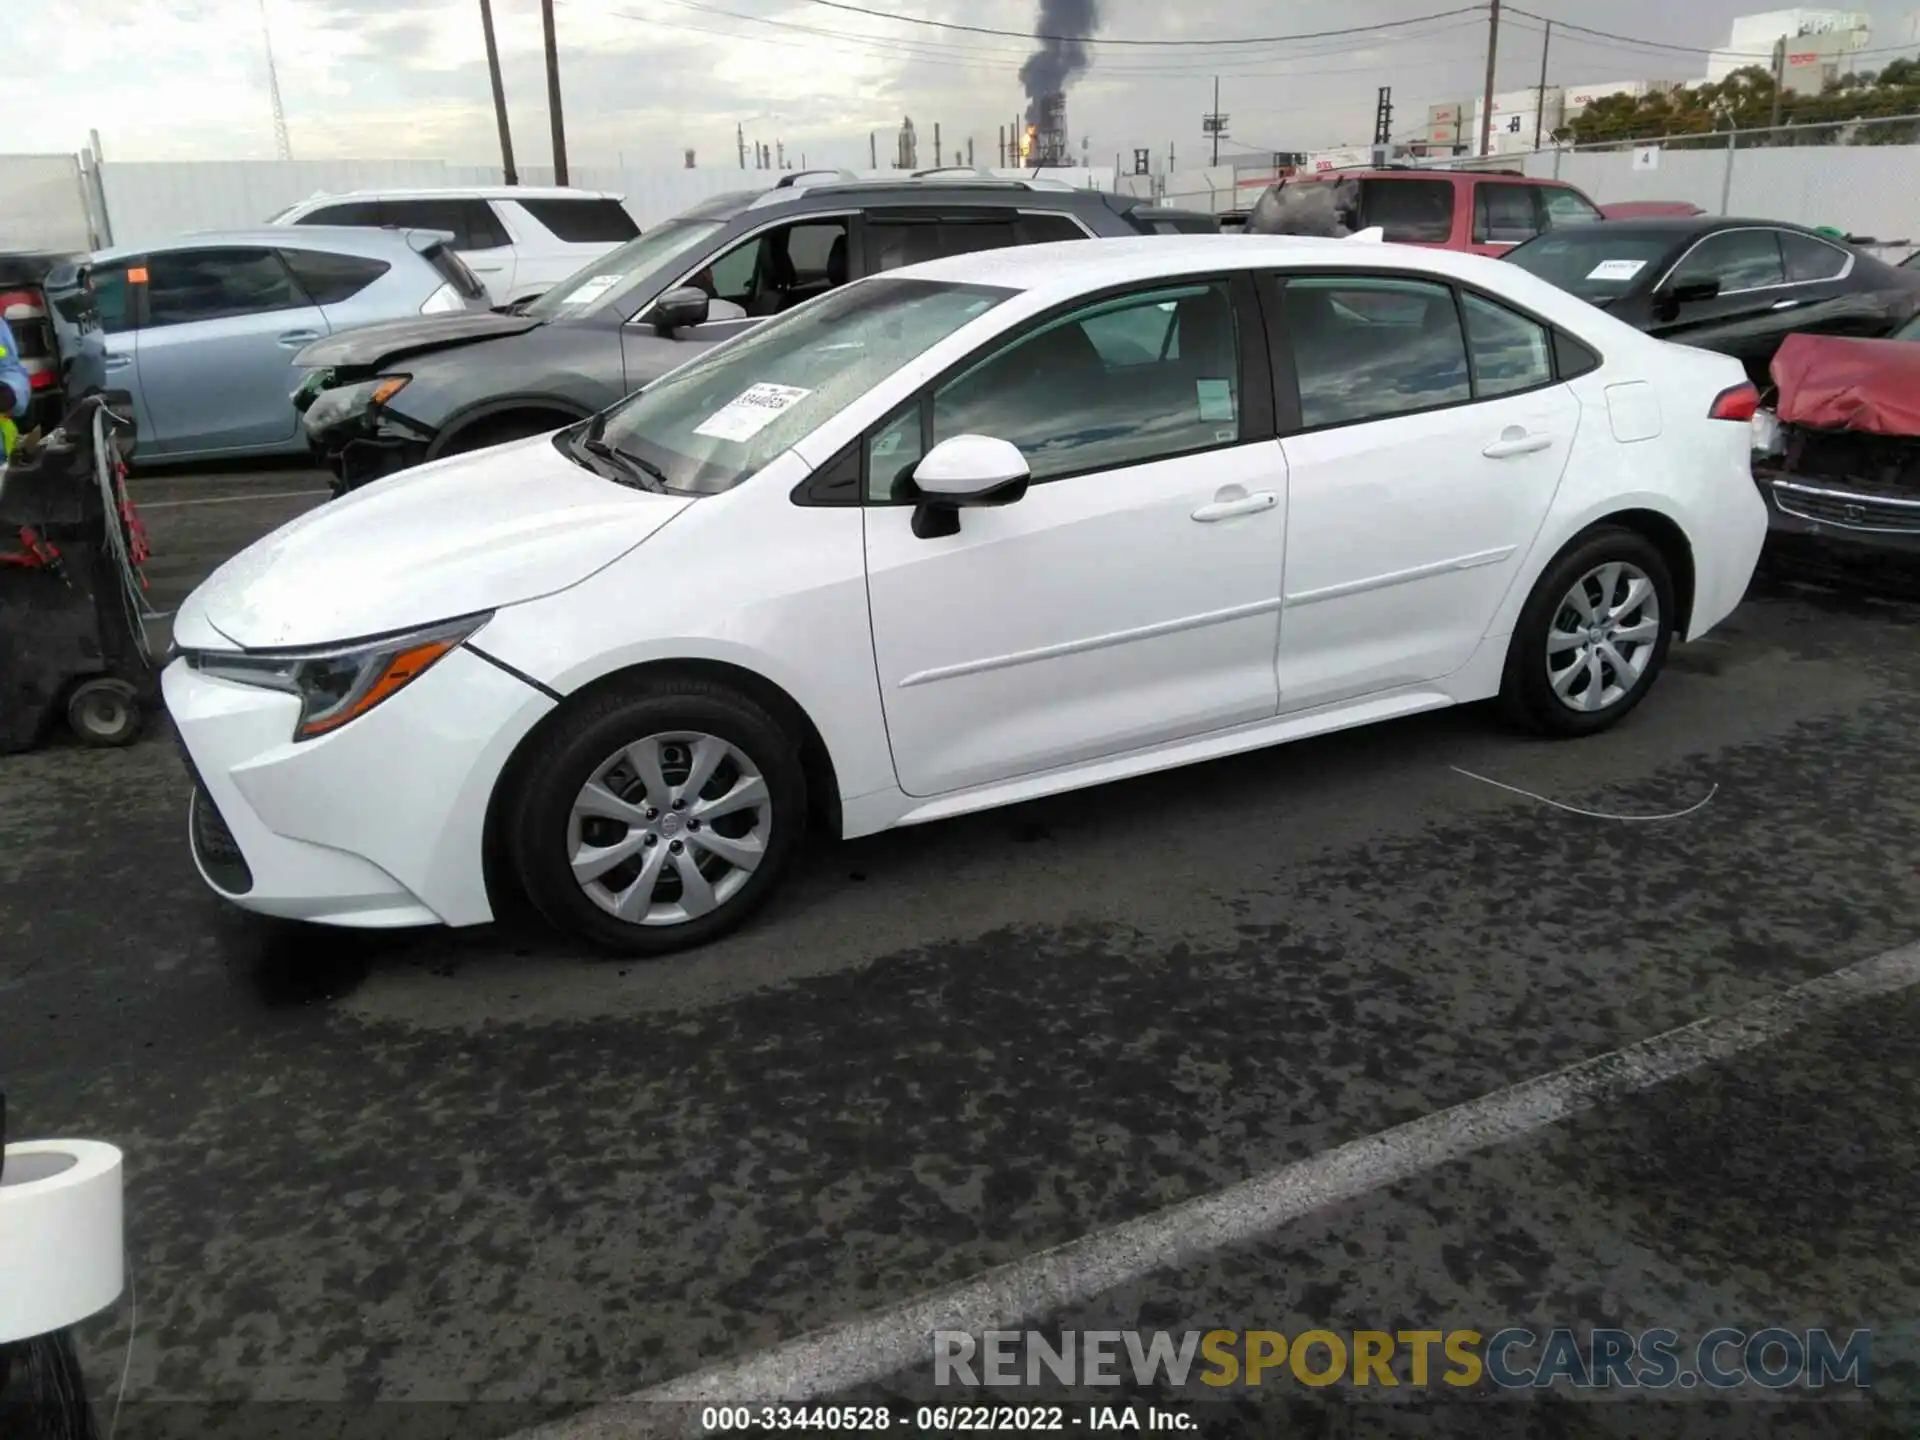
385 397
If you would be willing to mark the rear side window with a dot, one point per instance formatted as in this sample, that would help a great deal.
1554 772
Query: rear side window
331 278
584 222
1045 230
188 285
1369 349
352 212
1810 259
1504 214
1510 352
472 222
1738 259
894 242
1409 211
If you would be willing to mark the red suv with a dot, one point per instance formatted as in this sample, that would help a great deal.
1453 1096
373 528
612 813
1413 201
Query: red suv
1487 212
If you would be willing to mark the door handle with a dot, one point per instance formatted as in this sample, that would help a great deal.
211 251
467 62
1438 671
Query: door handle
1515 441
485 269
117 361
1785 304
1244 505
294 338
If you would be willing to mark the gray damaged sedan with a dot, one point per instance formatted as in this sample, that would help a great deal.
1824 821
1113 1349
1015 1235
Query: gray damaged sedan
383 398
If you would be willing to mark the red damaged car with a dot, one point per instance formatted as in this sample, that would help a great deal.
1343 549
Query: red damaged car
1838 456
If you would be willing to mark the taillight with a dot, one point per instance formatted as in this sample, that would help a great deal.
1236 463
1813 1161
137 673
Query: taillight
19 305
1736 403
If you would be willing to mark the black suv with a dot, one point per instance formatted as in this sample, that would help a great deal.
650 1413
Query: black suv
389 396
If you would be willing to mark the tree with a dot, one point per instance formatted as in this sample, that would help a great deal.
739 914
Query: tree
1744 101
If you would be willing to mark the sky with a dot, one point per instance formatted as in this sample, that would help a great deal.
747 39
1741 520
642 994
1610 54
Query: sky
644 80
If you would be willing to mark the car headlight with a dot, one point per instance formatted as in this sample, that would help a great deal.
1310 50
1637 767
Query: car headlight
330 407
343 682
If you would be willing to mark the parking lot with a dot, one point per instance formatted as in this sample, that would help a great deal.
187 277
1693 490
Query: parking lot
484 1170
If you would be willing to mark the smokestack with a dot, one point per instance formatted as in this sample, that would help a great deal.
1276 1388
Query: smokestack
1047 71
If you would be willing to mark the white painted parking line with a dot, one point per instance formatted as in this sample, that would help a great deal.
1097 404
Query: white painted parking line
140 504
871 1347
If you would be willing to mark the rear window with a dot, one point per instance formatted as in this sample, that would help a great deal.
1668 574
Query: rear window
471 222
584 222
331 278
1409 211
455 272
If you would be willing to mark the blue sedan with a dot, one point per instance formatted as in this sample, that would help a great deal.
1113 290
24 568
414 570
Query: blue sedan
204 329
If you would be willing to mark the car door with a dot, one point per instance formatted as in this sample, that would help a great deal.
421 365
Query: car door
1130 597
219 329
1754 309
114 302
1425 436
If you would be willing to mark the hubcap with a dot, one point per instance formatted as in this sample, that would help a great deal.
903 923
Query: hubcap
669 828
1603 637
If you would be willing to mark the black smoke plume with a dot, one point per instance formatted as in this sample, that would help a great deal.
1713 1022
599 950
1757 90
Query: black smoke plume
1047 71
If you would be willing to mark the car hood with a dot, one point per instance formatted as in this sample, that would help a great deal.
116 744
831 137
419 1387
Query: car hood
470 533
391 339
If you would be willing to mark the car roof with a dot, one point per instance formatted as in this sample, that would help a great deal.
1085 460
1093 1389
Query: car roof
1074 267
460 192
1422 172
353 239
862 192
1682 225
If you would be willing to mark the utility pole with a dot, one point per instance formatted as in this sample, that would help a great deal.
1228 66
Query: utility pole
873 151
1779 78
780 151
740 139
553 94
499 94
1493 56
1003 146
969 152
939 155
1216 122
1383 117
1540 106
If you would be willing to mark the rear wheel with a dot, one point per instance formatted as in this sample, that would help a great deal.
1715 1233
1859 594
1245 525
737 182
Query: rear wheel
104 713
658 817
1593 635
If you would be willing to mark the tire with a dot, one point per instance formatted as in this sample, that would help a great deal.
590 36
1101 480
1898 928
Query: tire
485 433
1634 643
639 904
104 714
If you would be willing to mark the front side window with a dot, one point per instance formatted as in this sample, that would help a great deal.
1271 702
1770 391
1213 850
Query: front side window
893 451
731 410
779 268
1738 259
1077 394
189 285
1563 206
1510 352
1409 211
1503 214
1808 259
1365 349
110 296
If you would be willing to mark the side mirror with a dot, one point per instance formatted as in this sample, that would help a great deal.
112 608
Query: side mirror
963 472
678 309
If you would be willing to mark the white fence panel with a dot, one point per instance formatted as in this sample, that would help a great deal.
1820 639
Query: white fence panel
1862 189
1608 176
42 203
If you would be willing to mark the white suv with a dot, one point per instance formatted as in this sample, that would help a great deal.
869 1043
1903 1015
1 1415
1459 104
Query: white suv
519 239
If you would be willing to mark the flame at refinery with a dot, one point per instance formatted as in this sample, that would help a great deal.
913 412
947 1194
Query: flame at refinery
1062 29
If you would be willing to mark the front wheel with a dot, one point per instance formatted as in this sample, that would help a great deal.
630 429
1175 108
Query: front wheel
658 817
1593 635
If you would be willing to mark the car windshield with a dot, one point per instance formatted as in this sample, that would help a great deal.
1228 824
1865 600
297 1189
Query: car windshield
1596 262
716 420
1909 331
620 270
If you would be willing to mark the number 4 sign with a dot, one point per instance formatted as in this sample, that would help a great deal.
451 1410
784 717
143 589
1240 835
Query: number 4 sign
1646 157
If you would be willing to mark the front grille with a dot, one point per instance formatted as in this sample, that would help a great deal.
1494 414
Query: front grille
1847 509
214 846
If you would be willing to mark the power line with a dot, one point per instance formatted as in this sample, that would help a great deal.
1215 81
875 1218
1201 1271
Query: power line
1117 40
1644 44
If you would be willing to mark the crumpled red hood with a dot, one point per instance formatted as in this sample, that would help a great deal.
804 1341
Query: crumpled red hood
1828 382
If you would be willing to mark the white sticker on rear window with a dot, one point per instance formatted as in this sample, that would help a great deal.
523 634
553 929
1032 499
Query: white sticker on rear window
588 291
1616 269
750 412
1216 399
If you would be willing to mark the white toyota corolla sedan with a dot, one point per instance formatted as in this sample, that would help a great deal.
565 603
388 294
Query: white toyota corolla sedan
948 538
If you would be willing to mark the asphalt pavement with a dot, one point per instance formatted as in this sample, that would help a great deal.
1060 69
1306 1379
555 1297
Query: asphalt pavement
486 1173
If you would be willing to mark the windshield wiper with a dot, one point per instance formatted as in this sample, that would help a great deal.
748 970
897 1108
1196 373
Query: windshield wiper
641 472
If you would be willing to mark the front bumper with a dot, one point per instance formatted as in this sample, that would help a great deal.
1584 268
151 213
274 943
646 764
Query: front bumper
364 445
380 823
1837 516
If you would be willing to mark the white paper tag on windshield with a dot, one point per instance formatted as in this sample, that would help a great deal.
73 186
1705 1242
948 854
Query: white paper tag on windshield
750 412
591 290
1616 269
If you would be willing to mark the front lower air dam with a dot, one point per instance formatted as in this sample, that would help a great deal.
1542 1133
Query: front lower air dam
62 1260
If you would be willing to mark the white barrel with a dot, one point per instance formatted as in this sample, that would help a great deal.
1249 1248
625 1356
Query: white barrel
62 1245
